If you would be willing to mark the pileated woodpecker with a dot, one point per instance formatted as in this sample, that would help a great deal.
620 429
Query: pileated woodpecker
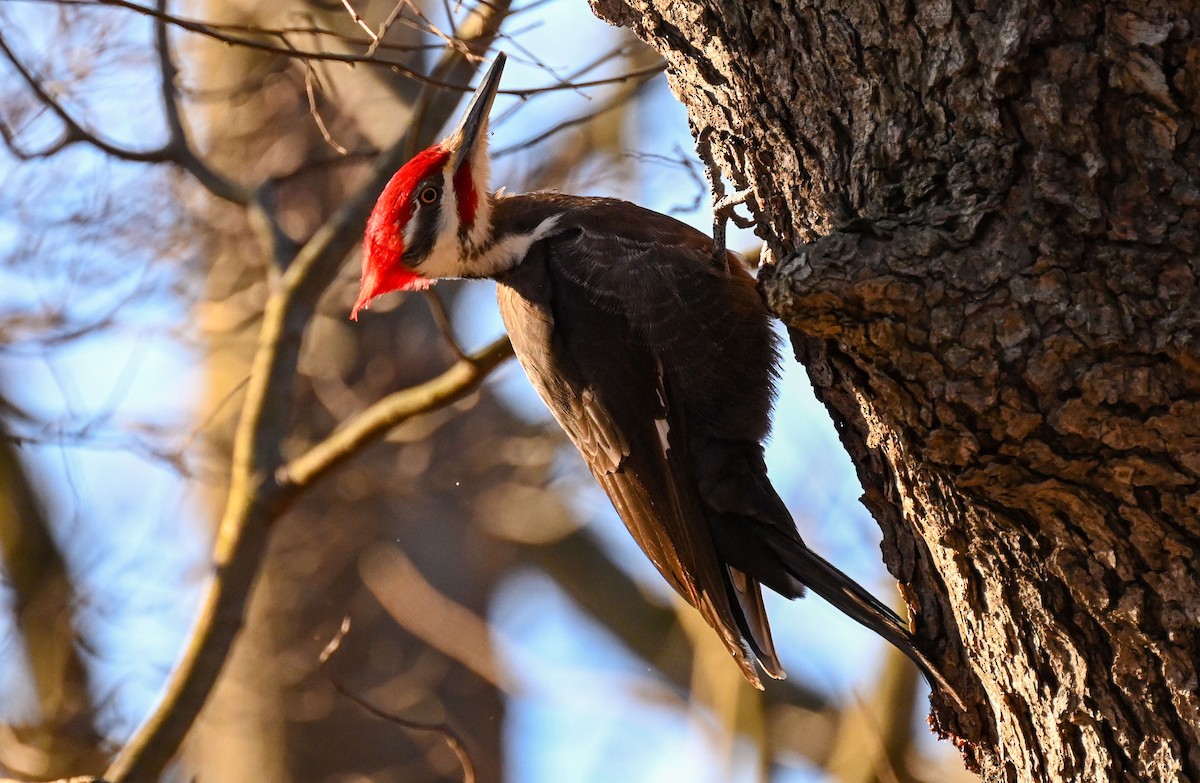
658 360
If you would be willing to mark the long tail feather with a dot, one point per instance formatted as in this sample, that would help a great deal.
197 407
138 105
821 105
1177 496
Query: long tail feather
852 600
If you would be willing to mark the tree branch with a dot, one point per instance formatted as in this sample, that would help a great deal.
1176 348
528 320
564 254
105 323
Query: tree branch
9 137
442 318
429 615
462 378
74 132
256 498
178 147
216 32
453 739
175 150
80 779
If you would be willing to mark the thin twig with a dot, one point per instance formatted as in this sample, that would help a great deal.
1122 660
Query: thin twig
176 150
383 28
81 779
178 145
209 31
74 132
255 499
453 739
309 78
358 20
571 123
451 41
682 161
442 318
9 135
278 32
463 377
217 33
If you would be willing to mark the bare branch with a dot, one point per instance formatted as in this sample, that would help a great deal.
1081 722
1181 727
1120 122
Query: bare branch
280 247
10 142
178 147
358 20
438 308
450 40
425 612
636 73
583 118
255 497
383 28
219 33
209 31
81 779
310 77
73 131
681 161
461 379
452 737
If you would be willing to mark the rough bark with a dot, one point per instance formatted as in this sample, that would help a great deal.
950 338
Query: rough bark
985 217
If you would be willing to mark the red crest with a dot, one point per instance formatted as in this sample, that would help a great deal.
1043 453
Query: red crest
383 270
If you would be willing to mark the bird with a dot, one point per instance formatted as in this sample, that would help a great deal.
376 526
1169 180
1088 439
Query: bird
656 357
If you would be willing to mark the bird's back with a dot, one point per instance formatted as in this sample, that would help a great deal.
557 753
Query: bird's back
659 364
705 321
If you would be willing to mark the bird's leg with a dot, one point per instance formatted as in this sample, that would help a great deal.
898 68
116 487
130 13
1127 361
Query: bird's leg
723 206
723 211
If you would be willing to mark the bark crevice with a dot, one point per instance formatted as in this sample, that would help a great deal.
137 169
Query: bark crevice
985 222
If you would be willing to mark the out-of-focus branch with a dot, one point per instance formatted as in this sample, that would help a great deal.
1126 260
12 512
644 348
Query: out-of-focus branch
599 587
442 318
63 737
219 33
175 150
422 610
9 136
80 779
314 111
73 132
453 739
875 738
624 97
178 146
256 498
463 377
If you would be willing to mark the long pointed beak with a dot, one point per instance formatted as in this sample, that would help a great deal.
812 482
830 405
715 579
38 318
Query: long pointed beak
471 130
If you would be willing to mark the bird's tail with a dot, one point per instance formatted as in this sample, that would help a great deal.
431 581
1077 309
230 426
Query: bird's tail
819 575
746 595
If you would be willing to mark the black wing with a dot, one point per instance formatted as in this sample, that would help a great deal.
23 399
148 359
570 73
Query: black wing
609 390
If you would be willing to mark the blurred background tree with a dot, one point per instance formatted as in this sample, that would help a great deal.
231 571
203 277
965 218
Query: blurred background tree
184 188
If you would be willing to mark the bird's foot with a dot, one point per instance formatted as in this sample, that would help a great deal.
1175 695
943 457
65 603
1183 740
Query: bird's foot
723 211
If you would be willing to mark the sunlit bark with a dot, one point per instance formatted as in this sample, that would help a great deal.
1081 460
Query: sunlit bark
985 222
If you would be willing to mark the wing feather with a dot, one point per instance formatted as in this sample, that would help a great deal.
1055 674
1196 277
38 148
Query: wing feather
607 388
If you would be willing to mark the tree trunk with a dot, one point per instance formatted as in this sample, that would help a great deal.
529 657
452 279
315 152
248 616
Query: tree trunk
985 221
62 739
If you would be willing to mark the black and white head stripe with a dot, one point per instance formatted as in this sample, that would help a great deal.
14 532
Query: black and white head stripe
421 231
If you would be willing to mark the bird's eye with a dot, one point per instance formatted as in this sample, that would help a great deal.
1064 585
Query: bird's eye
428 194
